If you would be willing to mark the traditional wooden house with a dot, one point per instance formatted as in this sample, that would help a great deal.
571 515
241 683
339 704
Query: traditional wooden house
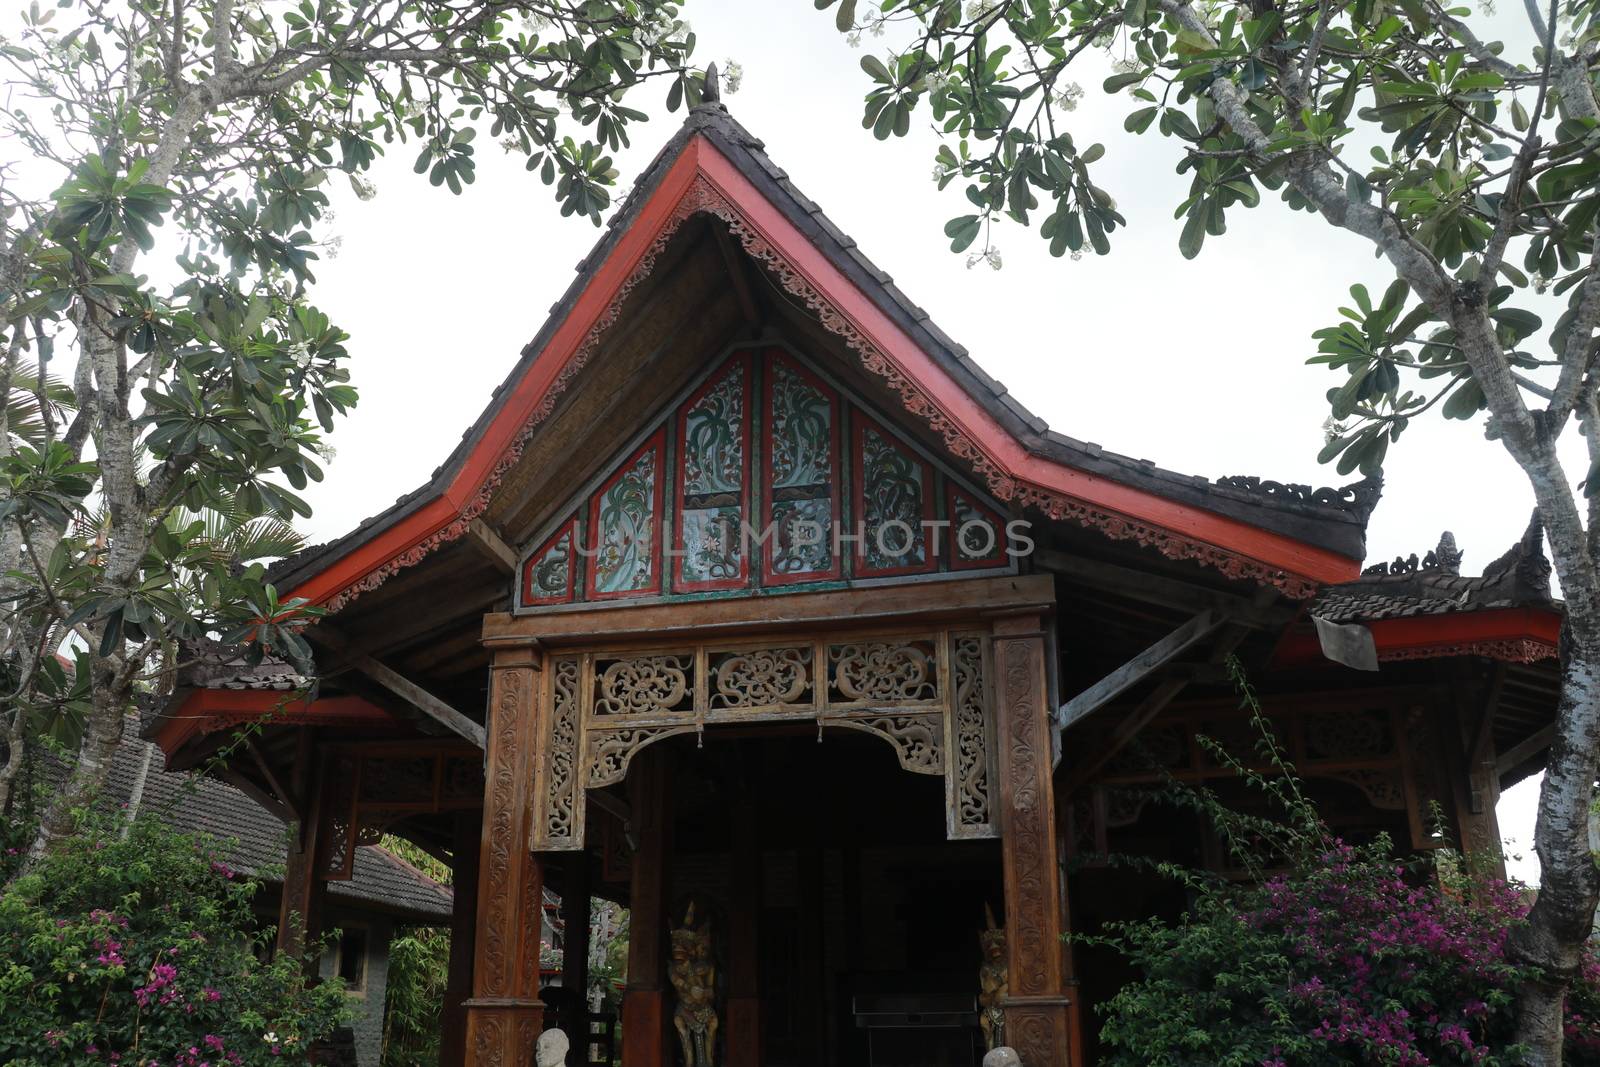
750 593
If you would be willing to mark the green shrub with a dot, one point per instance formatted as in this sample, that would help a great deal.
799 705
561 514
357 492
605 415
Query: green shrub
141 951
1348 955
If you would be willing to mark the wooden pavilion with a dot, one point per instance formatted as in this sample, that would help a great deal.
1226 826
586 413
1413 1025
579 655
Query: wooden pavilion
750 592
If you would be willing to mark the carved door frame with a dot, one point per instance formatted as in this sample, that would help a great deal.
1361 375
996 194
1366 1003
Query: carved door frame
912 665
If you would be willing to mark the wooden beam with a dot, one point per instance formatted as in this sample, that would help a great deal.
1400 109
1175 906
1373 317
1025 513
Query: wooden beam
1491 704
1520 753
741 281
963 599
1130 583
1164 694
284 796
250 789
484 538
1137 669
401 686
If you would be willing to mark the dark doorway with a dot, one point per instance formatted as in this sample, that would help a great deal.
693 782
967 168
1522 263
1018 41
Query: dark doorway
864 904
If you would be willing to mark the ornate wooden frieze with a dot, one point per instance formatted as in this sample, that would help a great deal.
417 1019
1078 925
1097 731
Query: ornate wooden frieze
969 779
674 514
563 794
343 821
926 694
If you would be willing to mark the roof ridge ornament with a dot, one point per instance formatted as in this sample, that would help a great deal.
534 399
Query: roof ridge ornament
1443 559
712 94
1358 497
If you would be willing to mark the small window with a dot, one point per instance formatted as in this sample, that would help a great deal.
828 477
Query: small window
352 963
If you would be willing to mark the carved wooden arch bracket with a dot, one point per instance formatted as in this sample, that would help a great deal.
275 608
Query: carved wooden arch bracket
703 198
926 694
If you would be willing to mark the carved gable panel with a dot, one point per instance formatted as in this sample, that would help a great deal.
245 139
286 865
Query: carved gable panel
763 475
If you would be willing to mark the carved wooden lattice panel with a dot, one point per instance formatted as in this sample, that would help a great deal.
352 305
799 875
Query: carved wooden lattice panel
739 484
926 694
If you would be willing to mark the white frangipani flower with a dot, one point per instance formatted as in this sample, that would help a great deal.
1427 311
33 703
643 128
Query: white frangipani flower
732 75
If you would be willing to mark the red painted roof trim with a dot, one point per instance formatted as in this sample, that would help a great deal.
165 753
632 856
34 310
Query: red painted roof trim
1517 634
206 711
701 159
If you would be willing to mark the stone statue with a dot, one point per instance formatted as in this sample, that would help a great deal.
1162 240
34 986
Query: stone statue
993 983
1004 1056
551 1051
694 979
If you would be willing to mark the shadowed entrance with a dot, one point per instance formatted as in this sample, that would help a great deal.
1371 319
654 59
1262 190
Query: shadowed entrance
863 921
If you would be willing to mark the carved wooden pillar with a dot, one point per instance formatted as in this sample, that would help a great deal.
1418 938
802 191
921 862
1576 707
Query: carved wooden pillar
1036 1015
304 887
504 1016
463 937
744 931
644 1002
575 952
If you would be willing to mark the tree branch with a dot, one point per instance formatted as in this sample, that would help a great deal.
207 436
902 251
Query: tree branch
1580 340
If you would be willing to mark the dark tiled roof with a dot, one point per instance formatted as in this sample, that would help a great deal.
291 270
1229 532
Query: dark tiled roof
1434 584
215 665
254 841
1331 518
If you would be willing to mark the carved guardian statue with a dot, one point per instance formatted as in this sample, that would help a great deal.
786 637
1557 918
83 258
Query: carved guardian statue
694 980
993 983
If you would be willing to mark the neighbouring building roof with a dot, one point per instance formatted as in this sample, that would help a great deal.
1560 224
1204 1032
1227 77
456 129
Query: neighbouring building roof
216 665
1328 524
254 841
1434 585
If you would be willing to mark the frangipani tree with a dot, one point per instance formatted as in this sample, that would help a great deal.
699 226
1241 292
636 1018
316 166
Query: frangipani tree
193 140
1472 170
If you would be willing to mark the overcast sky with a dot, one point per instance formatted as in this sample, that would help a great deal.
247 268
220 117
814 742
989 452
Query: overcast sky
1197 365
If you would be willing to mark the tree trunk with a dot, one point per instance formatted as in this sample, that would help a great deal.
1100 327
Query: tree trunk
1569 886
117 449
101 736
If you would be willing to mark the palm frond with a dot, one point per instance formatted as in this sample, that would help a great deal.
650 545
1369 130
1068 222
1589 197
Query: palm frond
24 421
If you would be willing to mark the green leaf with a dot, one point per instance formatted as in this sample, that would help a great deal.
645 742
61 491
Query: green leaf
845 18
1465 402
962 231
1194 233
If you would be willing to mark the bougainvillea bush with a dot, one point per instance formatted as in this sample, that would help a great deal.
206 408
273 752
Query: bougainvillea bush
140 951
1354 960
1350 957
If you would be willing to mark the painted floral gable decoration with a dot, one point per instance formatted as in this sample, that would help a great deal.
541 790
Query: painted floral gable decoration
765 476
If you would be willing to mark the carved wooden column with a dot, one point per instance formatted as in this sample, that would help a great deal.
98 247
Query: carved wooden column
304 887
1036 1016
575 952
463 935
504 1016
744 932
644 1002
